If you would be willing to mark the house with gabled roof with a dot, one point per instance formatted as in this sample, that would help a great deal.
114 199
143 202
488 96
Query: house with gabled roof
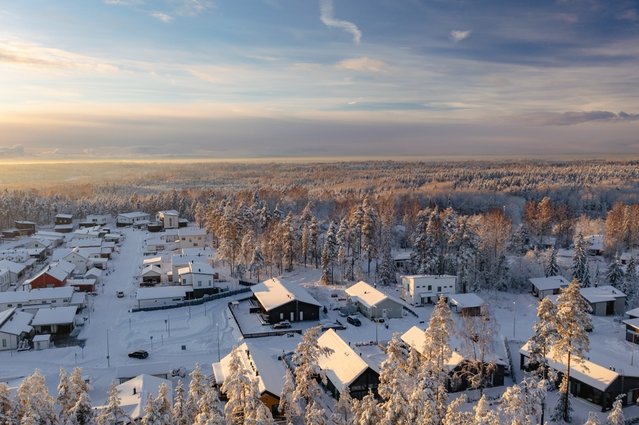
16 270
347 369
264 364
53 276
457 364
135 218
280 300
373 303
14 327
200 276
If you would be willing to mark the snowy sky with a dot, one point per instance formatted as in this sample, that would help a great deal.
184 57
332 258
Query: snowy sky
229 78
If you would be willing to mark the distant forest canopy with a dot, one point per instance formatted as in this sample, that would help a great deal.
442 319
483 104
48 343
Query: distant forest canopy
38 191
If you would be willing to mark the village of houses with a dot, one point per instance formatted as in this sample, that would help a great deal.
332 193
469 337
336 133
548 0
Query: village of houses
86 292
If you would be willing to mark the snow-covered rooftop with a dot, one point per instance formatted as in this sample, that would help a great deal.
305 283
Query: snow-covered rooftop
14 322
632 322
599 294
366 294
261 362
548 283
12 266
633 313
149 368
466 300
134 393
415 338
67 216
152 260
595 242
191 231
274 292
93 272
586 371
134 215
50 293
343 366
162 292
54 316
150 271
196 268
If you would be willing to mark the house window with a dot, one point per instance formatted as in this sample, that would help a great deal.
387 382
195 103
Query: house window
430 287
439 289
4 343
199 284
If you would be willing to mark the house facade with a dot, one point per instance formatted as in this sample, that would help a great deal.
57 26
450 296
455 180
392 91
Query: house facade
373 303
426 289
279 300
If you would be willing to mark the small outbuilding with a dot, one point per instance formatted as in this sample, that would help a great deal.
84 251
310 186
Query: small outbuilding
551 285
373 303
466 304
604 300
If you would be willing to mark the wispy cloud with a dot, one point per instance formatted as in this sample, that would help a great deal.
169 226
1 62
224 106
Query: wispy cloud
458 36
33 55
124 2
580 117
630 15
363 64
193 7
166 18
326 16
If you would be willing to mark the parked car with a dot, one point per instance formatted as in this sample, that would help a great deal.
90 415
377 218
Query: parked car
354 320
119 294
139 354
180 371
285 324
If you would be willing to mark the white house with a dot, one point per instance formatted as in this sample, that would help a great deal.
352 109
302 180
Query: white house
5 280
97 219
161 295
132 218
16 270
551 285
151 275
169 219
199 276
373 303
36 298
192 237
54 320
425 289
14 327
78 260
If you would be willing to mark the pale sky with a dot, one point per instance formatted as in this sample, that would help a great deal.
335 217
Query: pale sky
271 78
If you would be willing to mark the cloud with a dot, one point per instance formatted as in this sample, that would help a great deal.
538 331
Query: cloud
580 117
458 36
326 16
630 15
162 17
193 7
363 64
124 2
32 55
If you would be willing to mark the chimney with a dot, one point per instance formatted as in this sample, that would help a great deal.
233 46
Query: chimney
135 391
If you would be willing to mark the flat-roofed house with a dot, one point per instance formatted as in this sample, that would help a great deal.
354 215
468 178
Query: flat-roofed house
551 285
426 289
373 303
200 276
135 218
466 304
192 237
604 300
169 219
161 296
280 300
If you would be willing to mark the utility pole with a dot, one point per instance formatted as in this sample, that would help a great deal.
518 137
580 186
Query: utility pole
217 325
108 356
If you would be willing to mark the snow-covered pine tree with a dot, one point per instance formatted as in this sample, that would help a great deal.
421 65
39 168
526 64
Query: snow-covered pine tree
616 417
329 255
315 414
551 268
580 267
370 224
366 411
257 262
6 406
455 415
483 414
306 358
544 335
33 399
563 410
197 390
386 273
82 412
210 409
343 247
286 406
615 274
343 410
477 334
289 239
395 386
112 413
572 338
313 239
164 405
151 412
65 396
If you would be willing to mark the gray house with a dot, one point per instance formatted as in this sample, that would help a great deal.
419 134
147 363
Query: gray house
604 300
373 303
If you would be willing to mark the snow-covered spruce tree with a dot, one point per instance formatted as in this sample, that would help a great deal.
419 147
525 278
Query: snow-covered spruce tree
164 405
521 404
343 410
151 412
257 262
483 414
197 390
366 411
112 413
395 385
210 409
580 267
82 412
343 249
306 357
180 411
286 406
572 338
6 406
386 274
329 255
630 283
289 239
593 419
615 417
313 239
563 410
477 338
370 225
551 268
615 274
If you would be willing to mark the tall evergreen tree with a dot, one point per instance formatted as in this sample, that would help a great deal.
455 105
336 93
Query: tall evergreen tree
6 406
393 385
630 283
615 274
572 338
552 268
329 255
616 417
112 413
580 268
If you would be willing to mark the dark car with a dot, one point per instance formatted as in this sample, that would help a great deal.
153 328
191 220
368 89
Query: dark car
139 354
354 320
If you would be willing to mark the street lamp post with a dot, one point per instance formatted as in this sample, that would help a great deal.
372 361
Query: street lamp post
217 325
514 317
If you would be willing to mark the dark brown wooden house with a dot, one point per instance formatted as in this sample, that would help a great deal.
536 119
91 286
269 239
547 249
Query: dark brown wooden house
278 301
